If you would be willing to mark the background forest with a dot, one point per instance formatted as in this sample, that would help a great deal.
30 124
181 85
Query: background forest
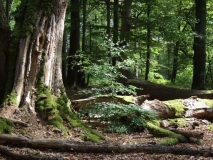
157 36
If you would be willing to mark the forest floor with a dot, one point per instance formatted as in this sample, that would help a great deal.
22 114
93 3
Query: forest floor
50 132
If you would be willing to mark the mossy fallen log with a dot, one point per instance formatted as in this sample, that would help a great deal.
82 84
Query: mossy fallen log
81 103
190 107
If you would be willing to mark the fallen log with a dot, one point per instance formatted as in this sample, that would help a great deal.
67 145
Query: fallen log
161 92
194 134
82 103
89 147
190 107
7 152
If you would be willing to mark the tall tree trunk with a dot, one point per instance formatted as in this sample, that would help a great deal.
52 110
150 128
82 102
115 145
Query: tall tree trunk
84 80
148 35
72 75
37 48
108 29
9 4
84 26
169 53
115 28
108 19
199 59
64 58
175 61
4 50
125 22
38 86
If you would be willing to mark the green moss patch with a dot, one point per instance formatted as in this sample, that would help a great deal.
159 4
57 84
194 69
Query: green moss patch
55 109
208 102
181 122
5 126
129 99
154 129
11 98
168 141
175 105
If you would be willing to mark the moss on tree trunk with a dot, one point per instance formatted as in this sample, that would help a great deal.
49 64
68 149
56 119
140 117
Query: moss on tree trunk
37 86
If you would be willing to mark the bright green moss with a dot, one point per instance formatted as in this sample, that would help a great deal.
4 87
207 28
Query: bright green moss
11 98
129 99
175 105
208 102
210 127
58 122
56 109
168 141
181 122
5 126
158 131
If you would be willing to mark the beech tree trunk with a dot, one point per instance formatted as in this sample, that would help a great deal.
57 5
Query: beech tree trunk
39 52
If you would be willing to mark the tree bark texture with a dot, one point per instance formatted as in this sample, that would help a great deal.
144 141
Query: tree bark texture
39 51
125 21
148 46
199 59
4 49
80 147
74 76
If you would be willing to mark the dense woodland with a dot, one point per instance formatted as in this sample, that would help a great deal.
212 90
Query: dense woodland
83 70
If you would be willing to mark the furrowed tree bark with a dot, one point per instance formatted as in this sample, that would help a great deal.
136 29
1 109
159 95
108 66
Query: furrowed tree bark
38 94
40 49
81 147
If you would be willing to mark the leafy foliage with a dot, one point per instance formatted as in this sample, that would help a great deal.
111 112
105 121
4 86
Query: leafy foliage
121 117
103 73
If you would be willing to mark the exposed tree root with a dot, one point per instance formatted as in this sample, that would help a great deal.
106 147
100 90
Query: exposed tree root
88 147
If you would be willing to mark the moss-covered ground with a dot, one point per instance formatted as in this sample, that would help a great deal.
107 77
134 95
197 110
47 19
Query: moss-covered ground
6 126
55 109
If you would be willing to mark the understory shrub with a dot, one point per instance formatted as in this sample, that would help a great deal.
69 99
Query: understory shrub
121 118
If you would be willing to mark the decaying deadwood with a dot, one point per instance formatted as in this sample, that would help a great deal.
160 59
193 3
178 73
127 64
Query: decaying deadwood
191 107
5 151
88 147
186 133
158 108
162 92
81 103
